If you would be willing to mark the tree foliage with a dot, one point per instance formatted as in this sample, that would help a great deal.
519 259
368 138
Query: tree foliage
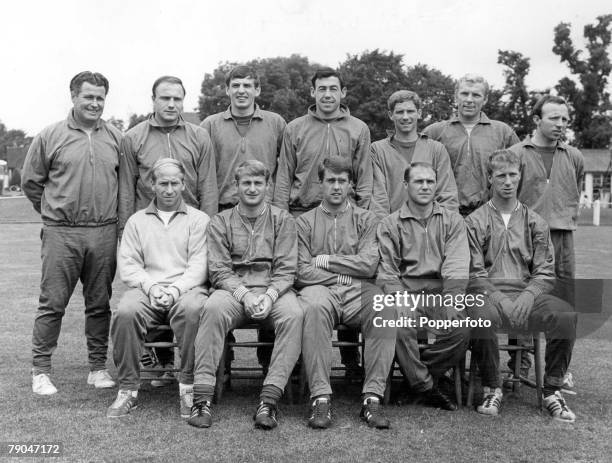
590 101
285 86
117 123
12 137
513 103
374 75
136 119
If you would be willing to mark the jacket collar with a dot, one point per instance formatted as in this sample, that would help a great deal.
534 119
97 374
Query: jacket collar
344 113
227 114
391 135
72 123
406 213
328 212
153 123
482 120
152 208
560 145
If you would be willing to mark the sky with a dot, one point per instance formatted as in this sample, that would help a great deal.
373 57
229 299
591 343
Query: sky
43 44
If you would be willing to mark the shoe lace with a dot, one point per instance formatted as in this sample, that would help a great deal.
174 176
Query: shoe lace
320 409
371 407
202 408
266 409
491 400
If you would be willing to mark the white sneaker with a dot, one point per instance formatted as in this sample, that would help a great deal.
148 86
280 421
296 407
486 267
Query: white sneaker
100 379
558 409
491 402
42 385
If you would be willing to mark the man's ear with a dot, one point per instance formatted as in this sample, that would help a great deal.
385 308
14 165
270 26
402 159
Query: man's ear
343 92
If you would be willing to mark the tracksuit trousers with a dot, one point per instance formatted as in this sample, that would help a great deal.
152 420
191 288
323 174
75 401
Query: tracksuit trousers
70 254
326 307
223 313
550 314
135 316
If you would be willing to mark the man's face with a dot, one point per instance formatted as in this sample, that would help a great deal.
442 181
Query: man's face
327 94
335 187
168 103
504 181
242 93
470 98
405 116
88 104
554 120
252 190
168 188
421 185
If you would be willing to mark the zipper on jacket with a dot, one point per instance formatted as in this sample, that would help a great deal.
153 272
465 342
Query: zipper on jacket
93 174
169 149
328 132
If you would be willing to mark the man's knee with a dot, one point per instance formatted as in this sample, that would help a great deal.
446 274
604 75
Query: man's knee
129 307
192 304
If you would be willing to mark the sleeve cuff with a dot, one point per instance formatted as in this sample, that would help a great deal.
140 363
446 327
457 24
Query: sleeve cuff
322 261
146 286
240 293
345 280
272 293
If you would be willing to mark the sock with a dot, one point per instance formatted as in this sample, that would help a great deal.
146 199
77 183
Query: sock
184 388
369 395
270 394
203 393
548 390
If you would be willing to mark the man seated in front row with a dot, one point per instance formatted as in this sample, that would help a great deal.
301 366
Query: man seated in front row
163 259
252 250
424 260
512 263
337 252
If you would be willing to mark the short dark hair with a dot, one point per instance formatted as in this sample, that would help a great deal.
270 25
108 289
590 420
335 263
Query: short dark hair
243 72
537 108
253 168
93 78
403 95
322 73
418 164
499 157
337 165
169 80
166 162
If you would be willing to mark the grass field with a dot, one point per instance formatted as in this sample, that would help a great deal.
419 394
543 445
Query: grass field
154 432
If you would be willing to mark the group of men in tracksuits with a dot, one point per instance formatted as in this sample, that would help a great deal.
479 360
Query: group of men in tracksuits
246 218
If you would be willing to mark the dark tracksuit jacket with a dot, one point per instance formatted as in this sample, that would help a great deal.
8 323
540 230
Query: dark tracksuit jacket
469 155
389 166
306 142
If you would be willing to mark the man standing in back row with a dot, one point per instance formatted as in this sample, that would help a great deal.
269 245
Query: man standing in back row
70 176
327 130
243 131
405 145
470 137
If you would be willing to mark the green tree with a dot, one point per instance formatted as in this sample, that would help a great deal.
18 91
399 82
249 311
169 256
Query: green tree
117 123
590 101
12 137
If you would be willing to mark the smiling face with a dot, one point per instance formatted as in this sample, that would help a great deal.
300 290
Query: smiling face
168 103
553 123
328 94
421 185
242 93
470 98
405 116
88 104
252 190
